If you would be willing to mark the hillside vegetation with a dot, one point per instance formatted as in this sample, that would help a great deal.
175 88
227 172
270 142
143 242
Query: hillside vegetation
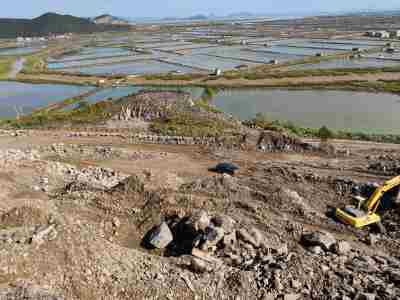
50 23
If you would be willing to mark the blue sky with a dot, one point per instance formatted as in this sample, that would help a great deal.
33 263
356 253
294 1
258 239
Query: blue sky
163 8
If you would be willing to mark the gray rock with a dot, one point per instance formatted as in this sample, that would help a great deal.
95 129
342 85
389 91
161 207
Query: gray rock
342 248
253 236
324 268
365 296
296 284
292 297
277 281
315 249
372 239
212 235
161 237
230 240
282 250
320 238
199 266
226 222
269 297
199 220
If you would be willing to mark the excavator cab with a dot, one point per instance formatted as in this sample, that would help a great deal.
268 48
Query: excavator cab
364 211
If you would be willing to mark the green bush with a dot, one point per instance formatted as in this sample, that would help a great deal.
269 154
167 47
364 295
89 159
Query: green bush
324 133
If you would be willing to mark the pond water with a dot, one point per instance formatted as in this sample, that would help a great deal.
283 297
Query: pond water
27 97
208 63
134 68
358 111
85 63
252 54
119 92
19 51
346 110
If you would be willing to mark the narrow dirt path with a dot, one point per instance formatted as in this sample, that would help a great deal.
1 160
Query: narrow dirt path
17 67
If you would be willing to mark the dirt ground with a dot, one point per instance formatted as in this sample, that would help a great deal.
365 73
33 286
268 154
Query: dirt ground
72 225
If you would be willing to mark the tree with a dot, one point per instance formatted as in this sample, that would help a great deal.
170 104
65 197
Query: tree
324 133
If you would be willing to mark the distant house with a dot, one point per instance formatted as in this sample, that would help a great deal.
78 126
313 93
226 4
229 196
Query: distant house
395 33
217 72
371 33
382 34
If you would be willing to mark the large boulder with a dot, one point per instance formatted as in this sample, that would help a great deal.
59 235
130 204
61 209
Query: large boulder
161 236
320 238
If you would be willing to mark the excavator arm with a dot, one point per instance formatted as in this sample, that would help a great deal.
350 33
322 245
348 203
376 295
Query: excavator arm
372 204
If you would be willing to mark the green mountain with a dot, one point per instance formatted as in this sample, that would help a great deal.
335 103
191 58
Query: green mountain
49 23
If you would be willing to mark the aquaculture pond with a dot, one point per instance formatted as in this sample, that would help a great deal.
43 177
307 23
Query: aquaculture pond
133 68
346 110
19 51
25 97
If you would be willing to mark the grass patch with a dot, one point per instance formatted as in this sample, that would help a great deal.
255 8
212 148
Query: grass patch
188 124
34 64
85 114
6 67
182 77
260 121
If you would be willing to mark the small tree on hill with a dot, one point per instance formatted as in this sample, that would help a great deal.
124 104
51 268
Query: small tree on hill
324 133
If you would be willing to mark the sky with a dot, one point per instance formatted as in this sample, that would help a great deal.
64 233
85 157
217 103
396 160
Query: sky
181 8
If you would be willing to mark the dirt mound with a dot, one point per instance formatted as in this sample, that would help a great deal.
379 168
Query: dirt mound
220 186
23 216
129 198
149 106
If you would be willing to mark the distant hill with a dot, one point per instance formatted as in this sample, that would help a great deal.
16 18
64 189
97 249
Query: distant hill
109 19
241 15
198 17
49 23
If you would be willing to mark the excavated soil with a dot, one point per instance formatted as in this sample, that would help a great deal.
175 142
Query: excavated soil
69 230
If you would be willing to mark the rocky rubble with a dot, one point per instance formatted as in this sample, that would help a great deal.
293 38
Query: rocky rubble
270 141
96 152
385 164
153 105
11 155
13 133
35 235
60 175
319 267
23 290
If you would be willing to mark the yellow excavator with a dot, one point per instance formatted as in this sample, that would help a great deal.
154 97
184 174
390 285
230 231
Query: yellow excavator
364 212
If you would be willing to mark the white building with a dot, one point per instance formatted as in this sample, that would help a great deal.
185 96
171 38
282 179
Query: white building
382 34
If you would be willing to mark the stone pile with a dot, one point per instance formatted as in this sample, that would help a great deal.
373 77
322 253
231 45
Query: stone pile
95 177
233 141
148 106
270 141
95 152
319 267
18 155
387 165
